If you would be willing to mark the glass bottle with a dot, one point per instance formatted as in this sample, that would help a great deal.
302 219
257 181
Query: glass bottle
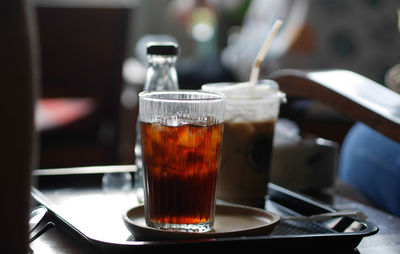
161 75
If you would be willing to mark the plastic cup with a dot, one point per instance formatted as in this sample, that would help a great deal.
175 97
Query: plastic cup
249 122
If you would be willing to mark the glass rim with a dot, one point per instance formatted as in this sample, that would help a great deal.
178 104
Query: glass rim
152 96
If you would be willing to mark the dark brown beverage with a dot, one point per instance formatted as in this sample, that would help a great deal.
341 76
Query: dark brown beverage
180 166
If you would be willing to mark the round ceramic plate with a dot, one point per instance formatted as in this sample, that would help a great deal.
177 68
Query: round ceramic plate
230 220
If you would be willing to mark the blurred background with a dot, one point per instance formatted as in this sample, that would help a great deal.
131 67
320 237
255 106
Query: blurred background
93 60
87 58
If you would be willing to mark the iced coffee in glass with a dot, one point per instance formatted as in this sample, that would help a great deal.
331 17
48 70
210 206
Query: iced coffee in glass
250 116
181 142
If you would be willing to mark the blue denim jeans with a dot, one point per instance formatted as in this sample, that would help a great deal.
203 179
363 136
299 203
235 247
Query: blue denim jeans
370 162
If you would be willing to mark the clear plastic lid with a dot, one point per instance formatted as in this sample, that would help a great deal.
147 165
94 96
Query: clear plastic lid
263 89
249 103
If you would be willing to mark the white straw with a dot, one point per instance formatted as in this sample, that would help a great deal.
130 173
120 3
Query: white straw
255 71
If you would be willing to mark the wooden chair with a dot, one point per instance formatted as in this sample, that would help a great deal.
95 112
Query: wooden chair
82 51
18 93
349 93
357 97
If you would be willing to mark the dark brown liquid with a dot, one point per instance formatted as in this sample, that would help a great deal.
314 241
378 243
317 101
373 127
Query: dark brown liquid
180 167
